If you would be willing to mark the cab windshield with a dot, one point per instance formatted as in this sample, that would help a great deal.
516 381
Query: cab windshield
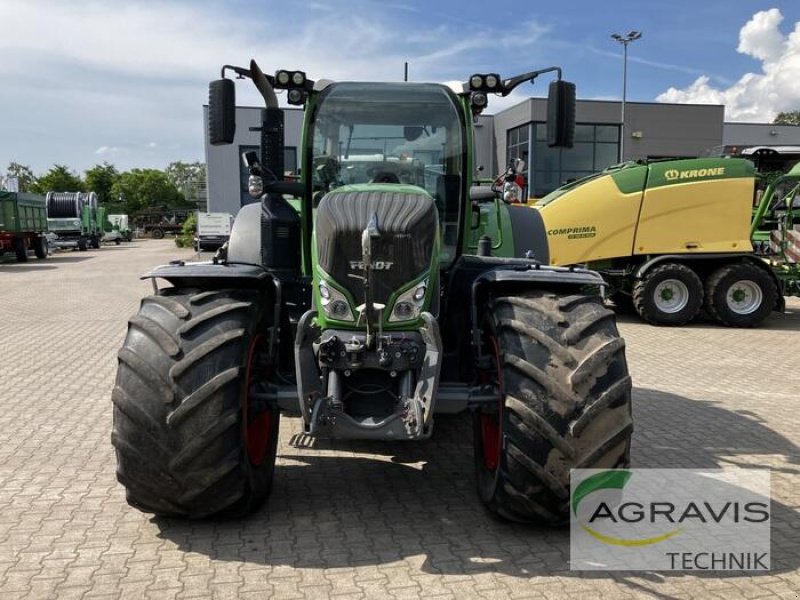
397 133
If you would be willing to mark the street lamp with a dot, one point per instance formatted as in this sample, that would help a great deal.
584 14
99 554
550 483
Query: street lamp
624 40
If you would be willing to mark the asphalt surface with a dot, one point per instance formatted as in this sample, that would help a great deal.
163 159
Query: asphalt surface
349 520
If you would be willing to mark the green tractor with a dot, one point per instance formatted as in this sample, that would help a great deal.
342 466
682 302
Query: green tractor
385 292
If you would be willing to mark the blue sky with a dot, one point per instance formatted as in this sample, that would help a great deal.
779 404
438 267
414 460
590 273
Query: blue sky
87 81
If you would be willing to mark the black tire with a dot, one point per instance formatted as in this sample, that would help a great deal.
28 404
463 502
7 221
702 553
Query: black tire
649 295
623 303
157 234
95 241
566 403
21 249
83 245
117 241
184 443
40 247
752 282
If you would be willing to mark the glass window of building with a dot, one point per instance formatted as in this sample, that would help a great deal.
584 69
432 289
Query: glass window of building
596 147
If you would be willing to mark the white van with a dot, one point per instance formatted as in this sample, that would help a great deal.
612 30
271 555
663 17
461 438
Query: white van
213 230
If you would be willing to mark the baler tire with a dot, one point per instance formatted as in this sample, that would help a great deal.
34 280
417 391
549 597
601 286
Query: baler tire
40 247
723 279
646 288
157 233
186 441
21 249
566 403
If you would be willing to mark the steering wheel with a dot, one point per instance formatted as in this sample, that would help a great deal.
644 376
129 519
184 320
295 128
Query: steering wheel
385 177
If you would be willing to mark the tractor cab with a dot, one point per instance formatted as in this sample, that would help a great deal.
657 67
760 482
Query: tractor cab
374 134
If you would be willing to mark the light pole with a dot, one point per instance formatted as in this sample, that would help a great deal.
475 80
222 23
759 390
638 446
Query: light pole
624 40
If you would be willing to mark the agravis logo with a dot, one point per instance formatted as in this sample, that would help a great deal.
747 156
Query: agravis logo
675 519
603 481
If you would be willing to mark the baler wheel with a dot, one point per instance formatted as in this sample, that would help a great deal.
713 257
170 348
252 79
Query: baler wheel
668 294
566 403
740 295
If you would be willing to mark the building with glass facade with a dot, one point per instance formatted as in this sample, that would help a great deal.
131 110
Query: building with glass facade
652 130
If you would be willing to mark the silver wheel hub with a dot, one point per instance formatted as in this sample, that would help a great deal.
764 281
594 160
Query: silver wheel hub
671 296
744 297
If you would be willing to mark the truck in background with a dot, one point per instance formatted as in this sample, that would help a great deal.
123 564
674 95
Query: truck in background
120 229
157 223
213 230
23 225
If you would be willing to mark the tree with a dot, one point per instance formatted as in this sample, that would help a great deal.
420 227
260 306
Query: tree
58 179
23 174
100 179
788 118
139 189
190 179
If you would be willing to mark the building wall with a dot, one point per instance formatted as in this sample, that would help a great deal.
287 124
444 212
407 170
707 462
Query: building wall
651 129
760 134
224 162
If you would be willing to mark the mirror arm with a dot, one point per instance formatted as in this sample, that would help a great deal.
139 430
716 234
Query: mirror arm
510 84
241 72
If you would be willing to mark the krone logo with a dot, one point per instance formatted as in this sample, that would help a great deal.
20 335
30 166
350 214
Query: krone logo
675 174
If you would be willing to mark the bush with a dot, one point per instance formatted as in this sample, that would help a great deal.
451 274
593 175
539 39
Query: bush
186 238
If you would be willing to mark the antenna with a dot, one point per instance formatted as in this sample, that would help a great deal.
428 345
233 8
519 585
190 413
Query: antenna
405 75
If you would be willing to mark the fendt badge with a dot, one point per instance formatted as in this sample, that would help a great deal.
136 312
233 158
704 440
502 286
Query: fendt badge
378 265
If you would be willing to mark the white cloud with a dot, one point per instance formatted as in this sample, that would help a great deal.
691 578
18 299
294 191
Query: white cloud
87 78
755 97
106 150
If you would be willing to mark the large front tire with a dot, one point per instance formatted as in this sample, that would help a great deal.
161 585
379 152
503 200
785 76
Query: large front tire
190 440
566 403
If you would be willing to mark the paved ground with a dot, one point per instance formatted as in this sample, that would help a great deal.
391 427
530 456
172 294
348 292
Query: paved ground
356 520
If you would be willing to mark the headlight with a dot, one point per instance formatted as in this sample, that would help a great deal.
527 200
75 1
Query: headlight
298 78
282 77
511 192
491 81
476 82
334 303
409 304
255 186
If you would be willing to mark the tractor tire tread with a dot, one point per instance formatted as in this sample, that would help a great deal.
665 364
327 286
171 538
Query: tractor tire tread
562 408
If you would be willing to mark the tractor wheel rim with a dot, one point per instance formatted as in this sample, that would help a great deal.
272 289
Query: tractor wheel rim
491 424
671 296
256 428
744 297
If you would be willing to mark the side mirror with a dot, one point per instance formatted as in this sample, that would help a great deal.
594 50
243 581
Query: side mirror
561 114
221 112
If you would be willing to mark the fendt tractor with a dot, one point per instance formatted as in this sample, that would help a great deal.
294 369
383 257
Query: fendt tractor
371 302
671 238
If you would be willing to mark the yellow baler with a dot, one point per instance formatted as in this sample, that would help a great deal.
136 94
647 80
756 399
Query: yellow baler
669 235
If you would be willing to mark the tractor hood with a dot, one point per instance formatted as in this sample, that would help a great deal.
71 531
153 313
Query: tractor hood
403 239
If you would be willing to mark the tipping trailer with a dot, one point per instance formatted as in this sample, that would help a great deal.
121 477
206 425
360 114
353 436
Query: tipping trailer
23 225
